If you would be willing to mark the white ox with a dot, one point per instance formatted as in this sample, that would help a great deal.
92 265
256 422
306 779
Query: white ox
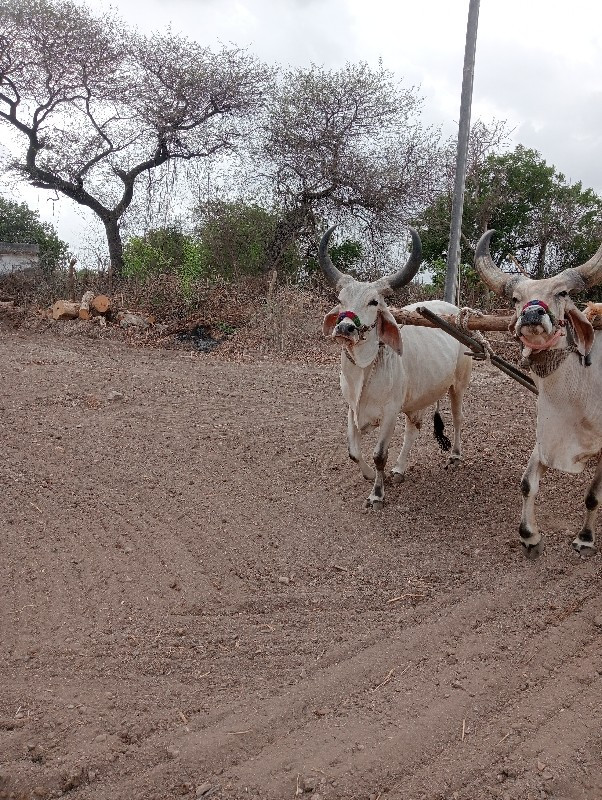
565 356
386 370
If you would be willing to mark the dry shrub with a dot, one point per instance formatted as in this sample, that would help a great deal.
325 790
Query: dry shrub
254 317
35 287
285 322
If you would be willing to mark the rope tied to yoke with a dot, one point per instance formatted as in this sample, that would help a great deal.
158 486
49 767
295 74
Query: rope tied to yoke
462 317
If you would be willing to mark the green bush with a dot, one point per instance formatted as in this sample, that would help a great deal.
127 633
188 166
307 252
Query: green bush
20 225
243 240
165 251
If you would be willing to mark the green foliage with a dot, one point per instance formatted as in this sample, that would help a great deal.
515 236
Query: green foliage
346 256
542 221
469 278
165 251
191 266
236 240
231 240
20 225
142 259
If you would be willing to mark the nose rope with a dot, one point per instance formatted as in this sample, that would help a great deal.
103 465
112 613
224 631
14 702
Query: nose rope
362 329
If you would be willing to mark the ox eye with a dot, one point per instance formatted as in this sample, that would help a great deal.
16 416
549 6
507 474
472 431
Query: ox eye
373 303
563 294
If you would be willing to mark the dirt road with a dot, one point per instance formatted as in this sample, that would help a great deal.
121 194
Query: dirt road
194 602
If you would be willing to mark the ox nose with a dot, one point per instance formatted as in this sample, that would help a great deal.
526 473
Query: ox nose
532 316
345 328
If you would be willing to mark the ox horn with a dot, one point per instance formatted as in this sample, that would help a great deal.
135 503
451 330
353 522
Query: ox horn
407 272
591 270
333 275
492 275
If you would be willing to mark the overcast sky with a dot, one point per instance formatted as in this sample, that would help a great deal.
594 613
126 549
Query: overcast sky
538 62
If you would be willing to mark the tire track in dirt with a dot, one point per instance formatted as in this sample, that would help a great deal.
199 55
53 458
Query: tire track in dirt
294 722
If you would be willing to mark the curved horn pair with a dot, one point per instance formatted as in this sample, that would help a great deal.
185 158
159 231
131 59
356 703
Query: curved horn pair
393 281
590 273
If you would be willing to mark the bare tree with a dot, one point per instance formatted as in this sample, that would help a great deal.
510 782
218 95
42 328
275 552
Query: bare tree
97 105
345 145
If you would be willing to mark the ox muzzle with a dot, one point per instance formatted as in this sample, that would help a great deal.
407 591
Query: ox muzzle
538 321
350 328
534 313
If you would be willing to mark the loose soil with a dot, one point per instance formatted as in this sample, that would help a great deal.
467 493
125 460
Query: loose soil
195 603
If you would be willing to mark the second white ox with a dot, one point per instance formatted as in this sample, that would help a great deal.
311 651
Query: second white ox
386 370
565 356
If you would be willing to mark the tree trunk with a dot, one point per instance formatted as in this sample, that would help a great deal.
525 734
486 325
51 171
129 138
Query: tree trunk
115 247
287 230
101 303
541 261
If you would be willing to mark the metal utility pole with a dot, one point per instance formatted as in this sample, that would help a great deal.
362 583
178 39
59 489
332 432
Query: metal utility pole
453 251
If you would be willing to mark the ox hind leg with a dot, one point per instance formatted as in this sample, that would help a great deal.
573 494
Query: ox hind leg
585 541
456 396
412 429
456 399
530 537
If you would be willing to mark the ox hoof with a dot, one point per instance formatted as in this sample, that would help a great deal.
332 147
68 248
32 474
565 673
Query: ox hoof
453 462
583 549
376 504
532 551
398 477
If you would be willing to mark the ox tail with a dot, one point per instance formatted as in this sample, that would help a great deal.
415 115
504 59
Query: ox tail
438 428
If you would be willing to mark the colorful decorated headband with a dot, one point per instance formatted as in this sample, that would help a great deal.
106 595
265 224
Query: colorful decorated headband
350 315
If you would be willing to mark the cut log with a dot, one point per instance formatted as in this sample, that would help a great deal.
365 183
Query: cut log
84 306
65 309
101 303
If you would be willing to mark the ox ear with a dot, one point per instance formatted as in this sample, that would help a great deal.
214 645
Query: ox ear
330 320
388 330
582 329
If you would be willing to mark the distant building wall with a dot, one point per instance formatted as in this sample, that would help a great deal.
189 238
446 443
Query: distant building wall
17 257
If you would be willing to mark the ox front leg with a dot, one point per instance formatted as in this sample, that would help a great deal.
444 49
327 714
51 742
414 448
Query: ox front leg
585 542
530 537
354 441
381 453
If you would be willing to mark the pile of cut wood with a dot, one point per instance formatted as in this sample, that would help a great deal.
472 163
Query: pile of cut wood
97 307
89 306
